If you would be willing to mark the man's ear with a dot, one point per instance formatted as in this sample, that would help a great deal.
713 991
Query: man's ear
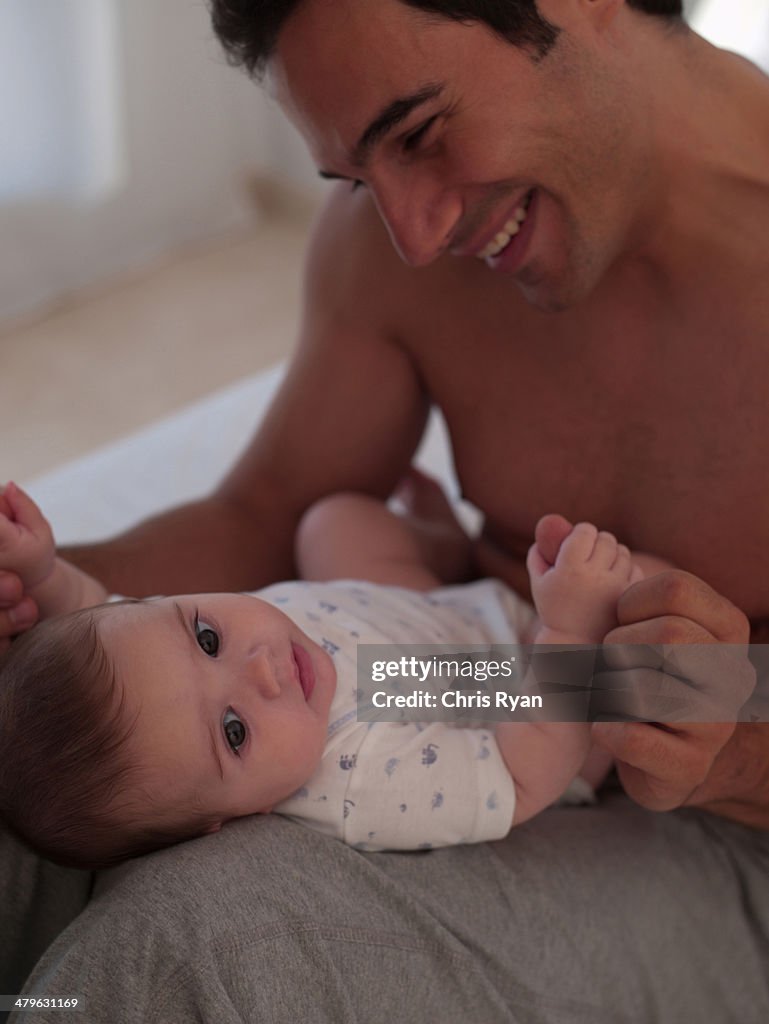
603 12
600 13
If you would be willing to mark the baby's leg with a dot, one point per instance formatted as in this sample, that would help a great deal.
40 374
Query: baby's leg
355 536
442 539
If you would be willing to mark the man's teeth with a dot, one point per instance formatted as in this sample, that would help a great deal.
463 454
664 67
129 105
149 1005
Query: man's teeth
505 236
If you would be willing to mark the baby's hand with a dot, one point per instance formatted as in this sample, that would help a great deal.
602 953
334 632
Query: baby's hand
27 546
576 595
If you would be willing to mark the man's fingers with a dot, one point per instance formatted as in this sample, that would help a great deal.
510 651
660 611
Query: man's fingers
660 631
11 589
18 619
660 767
645 695
673 683
675 595
679 656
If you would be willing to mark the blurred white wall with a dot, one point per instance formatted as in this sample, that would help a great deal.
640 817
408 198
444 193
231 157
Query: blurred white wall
187 133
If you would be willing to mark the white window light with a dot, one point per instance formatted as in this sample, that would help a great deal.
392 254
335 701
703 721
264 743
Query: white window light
60 110
738 25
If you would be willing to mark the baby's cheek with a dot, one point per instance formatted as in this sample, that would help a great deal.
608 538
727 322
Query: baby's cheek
314 762
302 759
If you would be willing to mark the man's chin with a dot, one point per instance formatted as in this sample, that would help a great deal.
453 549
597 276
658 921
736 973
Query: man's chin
553 293
545 297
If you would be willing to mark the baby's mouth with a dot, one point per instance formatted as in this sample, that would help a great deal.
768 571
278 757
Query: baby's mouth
304 669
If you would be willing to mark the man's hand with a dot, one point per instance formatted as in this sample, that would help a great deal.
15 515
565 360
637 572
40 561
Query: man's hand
691 763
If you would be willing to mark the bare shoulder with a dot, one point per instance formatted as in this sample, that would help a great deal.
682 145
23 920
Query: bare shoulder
348 226
349 378
352 269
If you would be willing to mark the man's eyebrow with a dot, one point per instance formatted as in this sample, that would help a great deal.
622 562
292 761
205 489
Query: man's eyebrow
391 116
385 121
211 730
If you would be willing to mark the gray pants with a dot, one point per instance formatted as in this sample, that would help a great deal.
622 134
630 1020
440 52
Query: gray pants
582 915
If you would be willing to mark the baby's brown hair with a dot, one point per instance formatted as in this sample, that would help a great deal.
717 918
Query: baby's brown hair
69 786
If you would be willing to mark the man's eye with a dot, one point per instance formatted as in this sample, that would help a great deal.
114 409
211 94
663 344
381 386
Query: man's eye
234 730
412 141
207 638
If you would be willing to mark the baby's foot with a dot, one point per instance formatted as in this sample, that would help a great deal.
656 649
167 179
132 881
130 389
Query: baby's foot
577 576
421 500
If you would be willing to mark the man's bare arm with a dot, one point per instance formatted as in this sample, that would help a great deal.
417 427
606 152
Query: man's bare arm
348 417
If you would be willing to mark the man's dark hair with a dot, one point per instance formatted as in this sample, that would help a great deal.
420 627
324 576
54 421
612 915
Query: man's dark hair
249 29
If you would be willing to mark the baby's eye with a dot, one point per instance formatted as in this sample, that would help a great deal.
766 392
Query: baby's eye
234 730
207 638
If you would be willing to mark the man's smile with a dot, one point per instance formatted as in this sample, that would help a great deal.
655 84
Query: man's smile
492 243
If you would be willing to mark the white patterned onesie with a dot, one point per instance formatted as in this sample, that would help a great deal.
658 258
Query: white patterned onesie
402 785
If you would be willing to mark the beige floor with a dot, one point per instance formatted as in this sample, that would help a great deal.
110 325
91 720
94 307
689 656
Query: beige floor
108 363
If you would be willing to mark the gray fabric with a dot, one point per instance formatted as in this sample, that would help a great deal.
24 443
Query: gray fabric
605 914
37 901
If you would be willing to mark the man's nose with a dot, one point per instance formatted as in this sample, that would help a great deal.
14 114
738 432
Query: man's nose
420 214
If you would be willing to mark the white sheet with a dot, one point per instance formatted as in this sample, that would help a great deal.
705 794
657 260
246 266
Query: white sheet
174 460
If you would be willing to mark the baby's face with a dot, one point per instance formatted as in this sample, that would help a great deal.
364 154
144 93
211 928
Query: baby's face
232 698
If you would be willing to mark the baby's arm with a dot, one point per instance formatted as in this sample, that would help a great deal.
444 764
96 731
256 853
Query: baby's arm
354 536
27 548
542 758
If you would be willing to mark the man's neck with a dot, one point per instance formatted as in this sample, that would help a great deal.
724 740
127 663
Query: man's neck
709 112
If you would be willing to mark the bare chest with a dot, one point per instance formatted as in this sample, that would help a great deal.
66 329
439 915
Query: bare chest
656 430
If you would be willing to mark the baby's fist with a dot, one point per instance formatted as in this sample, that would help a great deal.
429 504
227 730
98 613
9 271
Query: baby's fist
27 546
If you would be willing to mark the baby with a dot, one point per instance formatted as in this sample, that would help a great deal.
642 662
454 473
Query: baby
132 725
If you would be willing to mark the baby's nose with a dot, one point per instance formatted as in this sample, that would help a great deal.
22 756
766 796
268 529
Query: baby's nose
268 685
264 675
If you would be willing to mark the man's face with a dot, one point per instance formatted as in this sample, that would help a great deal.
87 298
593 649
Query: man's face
231 699
466 143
